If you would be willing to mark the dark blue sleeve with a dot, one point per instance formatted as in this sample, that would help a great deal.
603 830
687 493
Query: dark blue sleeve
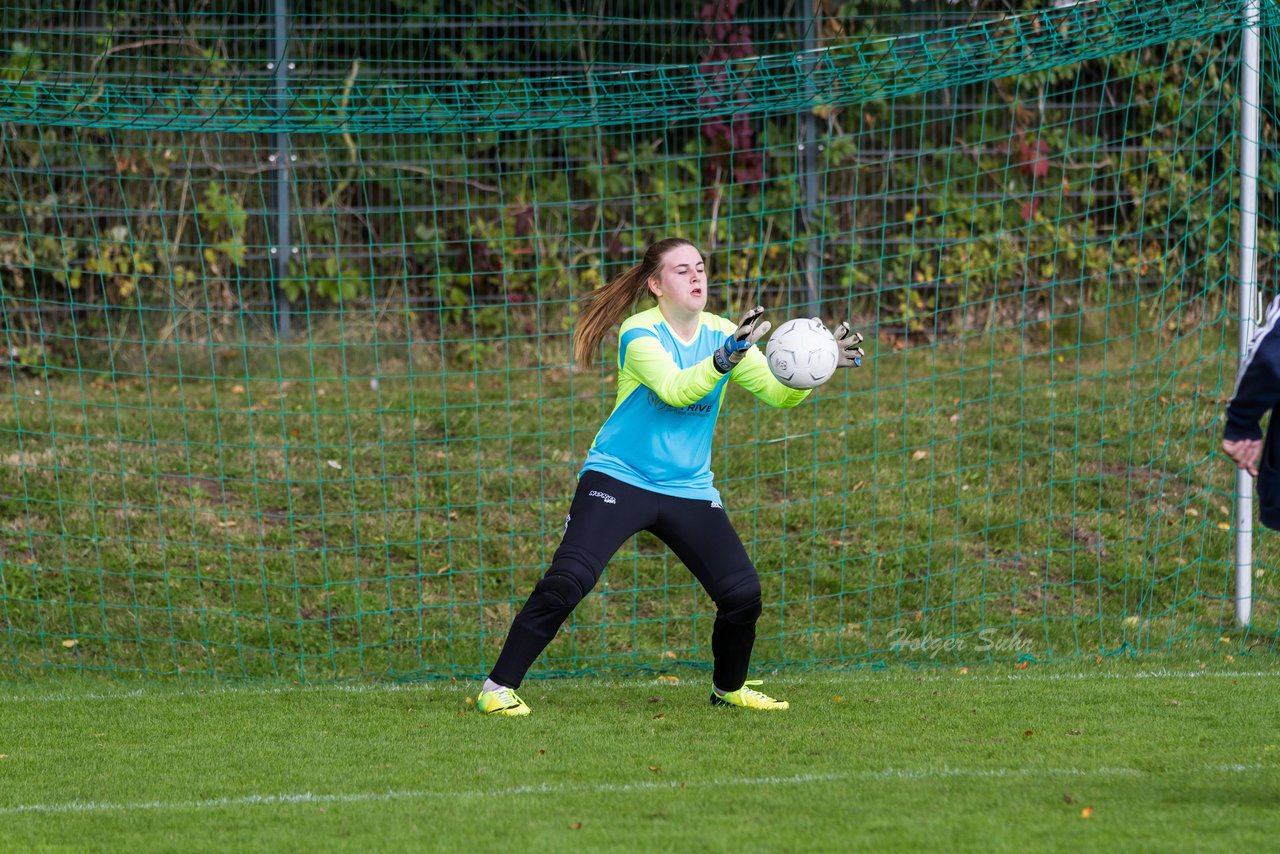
1258 385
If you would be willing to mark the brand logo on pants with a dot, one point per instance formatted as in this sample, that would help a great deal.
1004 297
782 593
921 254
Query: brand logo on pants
603 496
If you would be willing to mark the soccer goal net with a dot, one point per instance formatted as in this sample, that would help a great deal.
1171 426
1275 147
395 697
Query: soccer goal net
286 299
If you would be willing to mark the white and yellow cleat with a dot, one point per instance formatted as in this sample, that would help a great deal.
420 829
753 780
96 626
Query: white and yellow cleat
504 701
749 698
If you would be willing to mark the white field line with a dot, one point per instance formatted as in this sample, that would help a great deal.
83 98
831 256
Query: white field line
886 775
464 687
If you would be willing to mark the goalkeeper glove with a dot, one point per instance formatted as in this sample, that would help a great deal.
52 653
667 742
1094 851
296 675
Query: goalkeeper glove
743 339
847 341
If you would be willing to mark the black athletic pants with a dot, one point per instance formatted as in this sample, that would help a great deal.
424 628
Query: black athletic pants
606 513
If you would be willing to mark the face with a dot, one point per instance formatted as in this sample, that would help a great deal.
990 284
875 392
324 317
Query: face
681 281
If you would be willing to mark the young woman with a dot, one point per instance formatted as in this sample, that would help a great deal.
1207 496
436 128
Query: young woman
649 468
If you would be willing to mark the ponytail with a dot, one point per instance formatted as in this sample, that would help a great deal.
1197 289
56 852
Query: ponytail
604 307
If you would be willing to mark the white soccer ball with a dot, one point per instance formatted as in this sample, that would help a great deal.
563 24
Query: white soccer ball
802 353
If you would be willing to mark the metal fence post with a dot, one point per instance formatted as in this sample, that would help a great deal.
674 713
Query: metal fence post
1250 79
283 247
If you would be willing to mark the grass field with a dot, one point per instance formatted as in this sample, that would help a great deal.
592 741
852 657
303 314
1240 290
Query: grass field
1122 755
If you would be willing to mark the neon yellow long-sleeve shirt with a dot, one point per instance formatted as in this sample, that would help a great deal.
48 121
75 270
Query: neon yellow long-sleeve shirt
658 436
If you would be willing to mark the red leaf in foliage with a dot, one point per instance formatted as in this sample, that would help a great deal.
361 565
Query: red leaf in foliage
717 132
720 10
1034 157
1039 167
748 168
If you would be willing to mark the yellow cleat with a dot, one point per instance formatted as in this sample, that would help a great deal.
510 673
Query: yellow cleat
504 701
749 698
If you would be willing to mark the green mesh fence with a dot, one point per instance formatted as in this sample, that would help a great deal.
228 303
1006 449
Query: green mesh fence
286 386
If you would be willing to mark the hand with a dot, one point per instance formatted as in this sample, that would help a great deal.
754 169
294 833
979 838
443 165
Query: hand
850 354
1245 453
735 348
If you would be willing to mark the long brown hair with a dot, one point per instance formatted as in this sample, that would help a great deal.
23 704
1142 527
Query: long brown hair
604 307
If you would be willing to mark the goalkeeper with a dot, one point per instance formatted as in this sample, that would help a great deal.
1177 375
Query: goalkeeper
649 466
